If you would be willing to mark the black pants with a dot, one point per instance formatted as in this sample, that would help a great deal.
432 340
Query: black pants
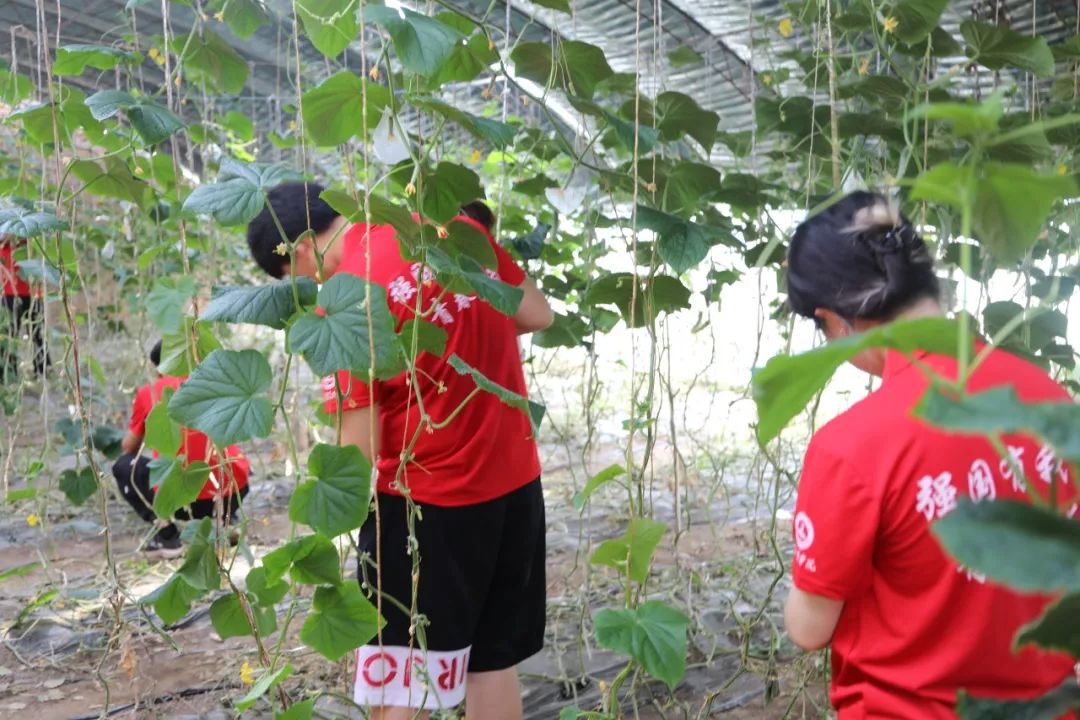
22 313
132 473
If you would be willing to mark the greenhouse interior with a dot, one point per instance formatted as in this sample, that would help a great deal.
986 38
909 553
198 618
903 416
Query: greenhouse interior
539 359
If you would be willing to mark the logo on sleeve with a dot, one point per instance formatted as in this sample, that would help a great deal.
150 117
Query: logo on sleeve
804 531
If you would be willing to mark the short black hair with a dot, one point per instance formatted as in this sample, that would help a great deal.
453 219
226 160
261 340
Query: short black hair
859 258
294 204
480 212
155 354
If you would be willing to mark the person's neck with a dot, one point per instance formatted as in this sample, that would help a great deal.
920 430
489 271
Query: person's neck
927 307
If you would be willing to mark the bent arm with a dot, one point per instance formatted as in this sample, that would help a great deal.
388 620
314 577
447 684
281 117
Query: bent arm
360 427
533 313
811 619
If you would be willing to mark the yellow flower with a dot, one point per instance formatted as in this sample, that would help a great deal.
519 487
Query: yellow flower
154 53
281 249
410 189
1062 170
486 93
138 170
292 125
373 73
602 686
32 520
889 23
246 675
651 187
766 79
177 81
786 27
864 66
475 157
220 17
204 17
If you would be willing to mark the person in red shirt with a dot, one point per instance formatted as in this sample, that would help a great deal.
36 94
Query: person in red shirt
228 479
908 627
480 528
25 311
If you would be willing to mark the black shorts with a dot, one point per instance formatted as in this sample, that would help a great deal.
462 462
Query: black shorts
482 590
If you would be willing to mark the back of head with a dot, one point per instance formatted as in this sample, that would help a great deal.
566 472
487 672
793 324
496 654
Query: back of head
480 212
298 208
859 258
155 354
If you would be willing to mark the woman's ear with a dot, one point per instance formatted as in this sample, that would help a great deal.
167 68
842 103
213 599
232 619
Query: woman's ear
832 324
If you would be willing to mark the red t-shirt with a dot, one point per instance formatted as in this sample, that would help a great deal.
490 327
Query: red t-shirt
9 273
194 444
487 450
915 626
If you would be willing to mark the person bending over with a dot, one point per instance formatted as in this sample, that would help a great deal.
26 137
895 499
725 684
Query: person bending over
907 626
476 481
228 479
25 310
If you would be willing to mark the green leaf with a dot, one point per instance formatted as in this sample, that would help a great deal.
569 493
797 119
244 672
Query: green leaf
311 559
422 43
678 114
534 410
684 56
1012 204
1025 547
178 486
468 60
333 110
172 600
654 634
499 134
114 180
162 434
19 570
225 397
73 59
1053 704
341 620
502 296
264 684
272 305
787 382
176 356
78 485
579 67
243 17
166 301
1000 412
229 620
560 5
917 18
330 24
632 553
209 58
240 192
947 183
447 189
298 711
339 338
681 244
336 500
23 223
995 46
530 245
659 294
200 567
153 122
383 212
14 87
429 338
1034 332
262 591
968 119
1056 629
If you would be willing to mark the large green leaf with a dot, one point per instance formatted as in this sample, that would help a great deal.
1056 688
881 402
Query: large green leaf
341 620
73 59
78 485
240 192
995 46
1056 629
153 122
422 43
209 58
262 591
947 183
429 338
166 301
1051 706
172 600
263 685
917 18
1012 204
23 223
501 296
967 119
162 434
339 335
999 411
382 212
654 634
655 295
333 110
330 24
1031 331
468 60
681 244
678 114
228 618
177 359
272 305
595 482
200 567
1025 547
447 189
534 410
225 397
298 711
311 559
497 133
787 382
336 500
243 17
178 486
577 68
632 553
114 180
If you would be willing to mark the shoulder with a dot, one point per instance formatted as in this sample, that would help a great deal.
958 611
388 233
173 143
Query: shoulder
1032 383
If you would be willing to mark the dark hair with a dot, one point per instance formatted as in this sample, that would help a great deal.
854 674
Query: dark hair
859 258
155 353
294 204
479 212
